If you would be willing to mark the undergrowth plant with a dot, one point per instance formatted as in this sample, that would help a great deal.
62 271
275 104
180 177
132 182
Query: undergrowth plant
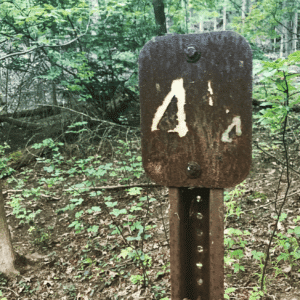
97 172
127 165
5 170
2 298
279 92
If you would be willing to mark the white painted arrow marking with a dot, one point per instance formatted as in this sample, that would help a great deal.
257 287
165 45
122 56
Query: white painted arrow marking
236 121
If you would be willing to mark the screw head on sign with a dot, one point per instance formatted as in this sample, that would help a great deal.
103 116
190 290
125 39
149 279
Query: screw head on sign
190 51
193 170
192 54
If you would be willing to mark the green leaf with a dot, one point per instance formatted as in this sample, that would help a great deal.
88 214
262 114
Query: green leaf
257 255
118 212
125 252
94 229
134 191
297 231
111 204
49 169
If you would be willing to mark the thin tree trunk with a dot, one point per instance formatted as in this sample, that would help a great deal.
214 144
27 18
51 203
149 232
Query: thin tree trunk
287 38
6 91
243 14
287 43
186 5
54 98
224 16
201 26
169 20
283 36
7 256
275 41
295 23
281 45
160 17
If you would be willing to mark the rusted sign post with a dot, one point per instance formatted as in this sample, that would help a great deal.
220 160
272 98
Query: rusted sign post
196 123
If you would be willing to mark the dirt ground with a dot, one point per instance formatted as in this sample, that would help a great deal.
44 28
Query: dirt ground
57 263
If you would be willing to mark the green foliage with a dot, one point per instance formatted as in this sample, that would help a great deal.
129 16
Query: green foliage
21 212
228 291
4 169
231 203
102 57
70 290
137 256
52 151
234 237
15 156
137 279
101 44
283 95
256 294
40 236
289 245
2 298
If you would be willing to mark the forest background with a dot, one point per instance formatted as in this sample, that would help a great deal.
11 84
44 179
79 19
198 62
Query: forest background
84 221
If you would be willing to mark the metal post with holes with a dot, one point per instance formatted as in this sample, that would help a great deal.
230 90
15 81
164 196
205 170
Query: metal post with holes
196 124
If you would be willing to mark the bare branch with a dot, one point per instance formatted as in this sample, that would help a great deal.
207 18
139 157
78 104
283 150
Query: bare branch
44 46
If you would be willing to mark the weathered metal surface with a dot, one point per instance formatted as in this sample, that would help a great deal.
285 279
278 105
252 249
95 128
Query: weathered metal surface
216 244
196 244
195 93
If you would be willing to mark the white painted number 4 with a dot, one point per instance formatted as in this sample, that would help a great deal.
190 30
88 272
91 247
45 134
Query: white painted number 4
178 91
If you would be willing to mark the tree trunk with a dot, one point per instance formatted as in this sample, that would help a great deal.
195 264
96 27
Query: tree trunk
40 93
224 15
160 17
243 14
186 5
281 45
22 124
201 25
283 36
7 256
295 23
286 31
6 91
42 112
54 99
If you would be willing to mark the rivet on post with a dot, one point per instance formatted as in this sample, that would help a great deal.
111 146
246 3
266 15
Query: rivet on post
192 54
193 170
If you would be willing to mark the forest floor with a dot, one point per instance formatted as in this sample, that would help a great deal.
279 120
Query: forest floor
90 260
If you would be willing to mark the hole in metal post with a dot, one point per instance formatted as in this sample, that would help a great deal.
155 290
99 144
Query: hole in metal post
200 281
199 232
199 216
199 198
199 265
200 249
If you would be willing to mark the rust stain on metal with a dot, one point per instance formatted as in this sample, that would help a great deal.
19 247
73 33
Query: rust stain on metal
198 111
216 247
196 243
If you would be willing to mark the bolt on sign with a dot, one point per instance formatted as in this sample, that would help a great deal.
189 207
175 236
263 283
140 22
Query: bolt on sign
196 111
196 118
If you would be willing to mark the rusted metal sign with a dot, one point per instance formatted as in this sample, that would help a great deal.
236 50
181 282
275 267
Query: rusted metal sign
195 93
196 109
